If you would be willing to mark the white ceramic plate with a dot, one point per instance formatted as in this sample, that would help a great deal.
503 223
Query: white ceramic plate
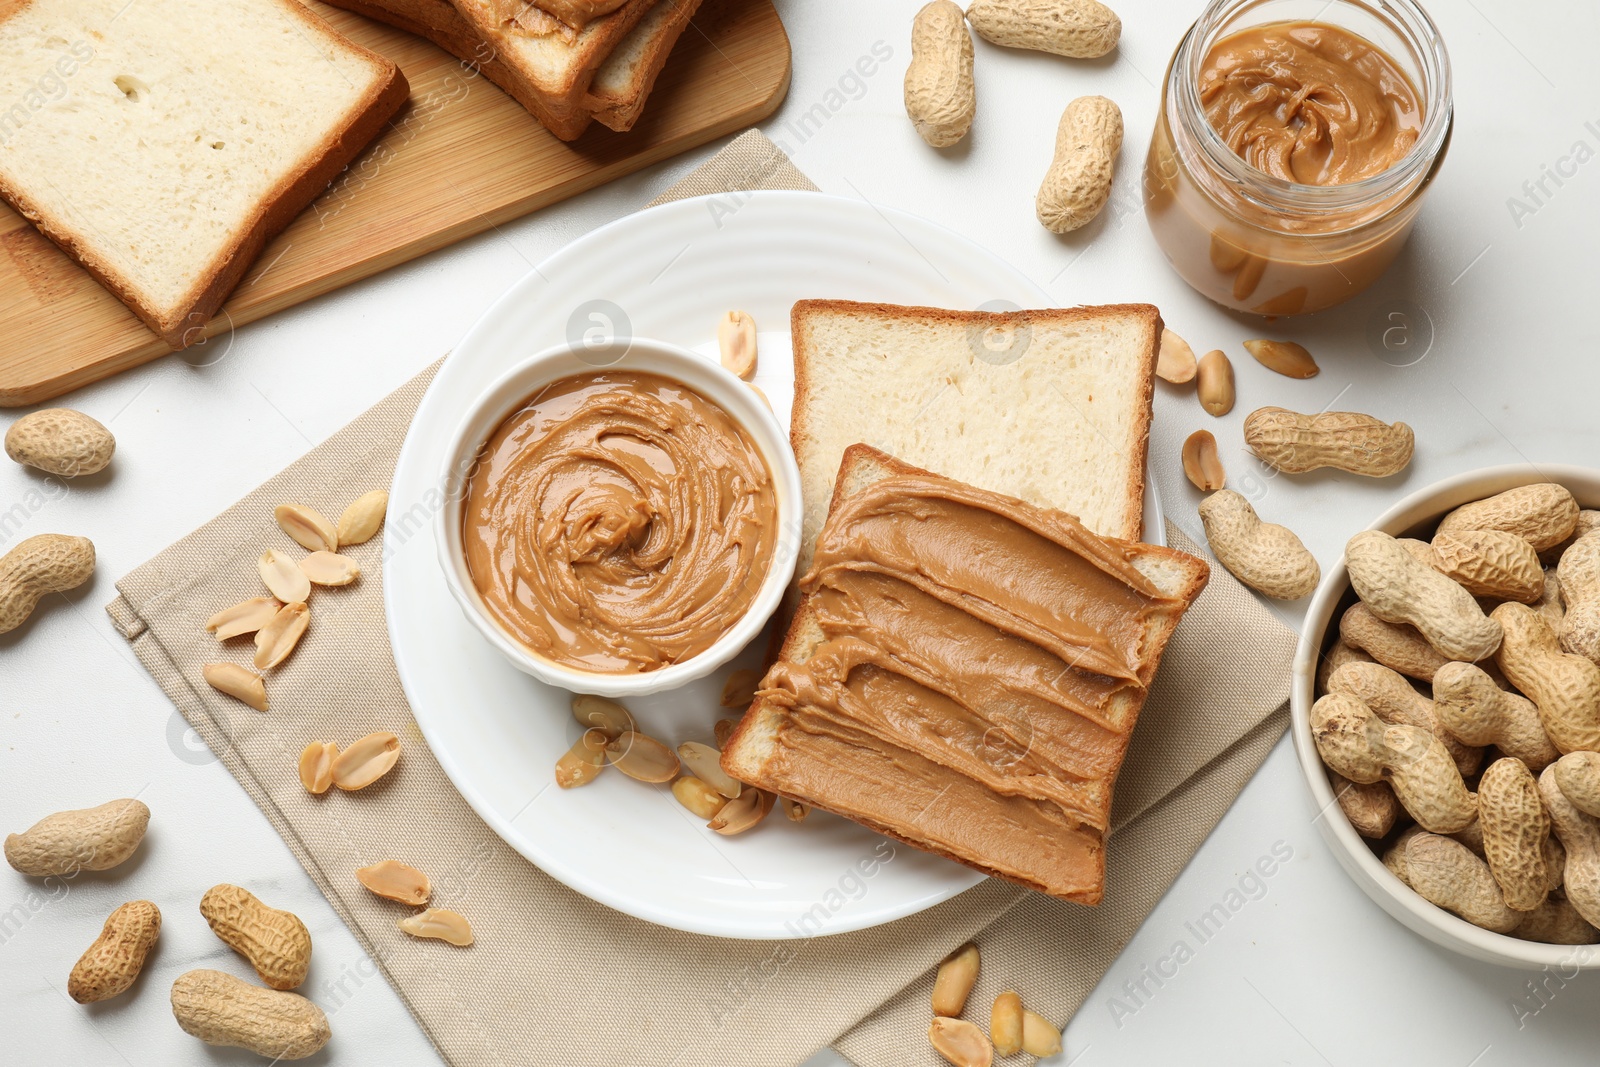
668 273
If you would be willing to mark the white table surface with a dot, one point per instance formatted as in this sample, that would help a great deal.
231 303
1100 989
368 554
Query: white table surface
1307 972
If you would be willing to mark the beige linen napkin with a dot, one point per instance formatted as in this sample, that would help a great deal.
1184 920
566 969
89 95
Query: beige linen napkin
557 978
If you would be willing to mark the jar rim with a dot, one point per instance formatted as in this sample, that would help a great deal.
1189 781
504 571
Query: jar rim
1421 34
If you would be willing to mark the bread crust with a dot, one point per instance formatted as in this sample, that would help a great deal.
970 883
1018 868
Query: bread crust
620 111
1133 514
563 101
438 21
745 757
185 324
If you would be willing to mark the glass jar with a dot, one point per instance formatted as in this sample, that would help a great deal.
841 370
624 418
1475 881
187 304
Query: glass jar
1257 243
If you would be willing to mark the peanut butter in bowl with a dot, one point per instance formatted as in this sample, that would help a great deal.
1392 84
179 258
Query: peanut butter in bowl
619 522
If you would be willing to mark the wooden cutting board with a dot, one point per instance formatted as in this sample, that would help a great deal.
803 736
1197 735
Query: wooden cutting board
462 157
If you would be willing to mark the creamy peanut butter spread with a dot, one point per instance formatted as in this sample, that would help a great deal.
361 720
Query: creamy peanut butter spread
1309 102
619 523
972 647
543 17
579 13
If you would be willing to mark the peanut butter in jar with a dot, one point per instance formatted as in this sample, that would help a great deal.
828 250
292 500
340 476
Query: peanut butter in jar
1290 156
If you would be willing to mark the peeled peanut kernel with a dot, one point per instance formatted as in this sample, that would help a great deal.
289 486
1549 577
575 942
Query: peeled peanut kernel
308 527
583 762
737 816
704 762
1039 1035
739 691
794 810
330 568
1005 1024
955 979
316 766
283 577
237 682
1175 362
366 760
363 517
698 797
642 757
600 713
392 880
245 617
1201 463
1285 357
959 1042
724 731
278 638
1214 383
441 924
736 338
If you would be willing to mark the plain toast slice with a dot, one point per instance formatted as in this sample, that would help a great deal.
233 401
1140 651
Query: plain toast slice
1052 406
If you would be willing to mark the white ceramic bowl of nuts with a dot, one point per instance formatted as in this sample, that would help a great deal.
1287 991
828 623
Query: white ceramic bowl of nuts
1426 737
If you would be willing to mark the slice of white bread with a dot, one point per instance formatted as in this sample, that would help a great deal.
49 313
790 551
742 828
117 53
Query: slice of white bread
617 93
172 139
554 63
1052 406
954 808
621 86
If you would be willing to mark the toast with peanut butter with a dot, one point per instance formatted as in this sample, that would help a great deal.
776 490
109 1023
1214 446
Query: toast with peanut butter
616 91
964 672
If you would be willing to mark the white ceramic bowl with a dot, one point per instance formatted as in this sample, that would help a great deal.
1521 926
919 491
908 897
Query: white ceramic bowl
1416 515
711 381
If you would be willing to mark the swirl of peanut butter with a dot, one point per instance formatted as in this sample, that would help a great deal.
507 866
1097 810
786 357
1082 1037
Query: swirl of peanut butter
1310 103
619 523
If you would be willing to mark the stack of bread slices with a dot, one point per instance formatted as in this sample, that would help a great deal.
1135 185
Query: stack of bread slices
569 62
908 695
